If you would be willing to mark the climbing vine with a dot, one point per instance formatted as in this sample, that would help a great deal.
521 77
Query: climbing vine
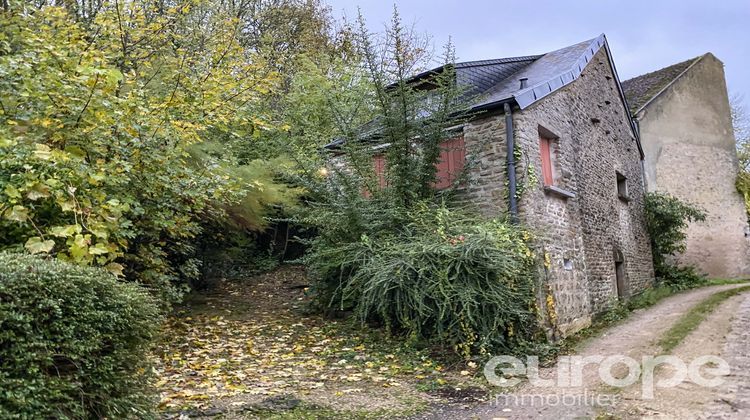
528 180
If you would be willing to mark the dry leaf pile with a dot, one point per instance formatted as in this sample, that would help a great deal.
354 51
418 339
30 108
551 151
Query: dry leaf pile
249 339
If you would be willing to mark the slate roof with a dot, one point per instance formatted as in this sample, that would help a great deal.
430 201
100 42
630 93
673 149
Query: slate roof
546 74
496 81
481 76
640 90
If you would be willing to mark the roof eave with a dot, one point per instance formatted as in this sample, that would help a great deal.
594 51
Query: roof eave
633 128
494 105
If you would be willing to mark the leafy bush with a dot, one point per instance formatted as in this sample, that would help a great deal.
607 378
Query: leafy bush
99 123
680 278
741 126
73 341
444 277
666 220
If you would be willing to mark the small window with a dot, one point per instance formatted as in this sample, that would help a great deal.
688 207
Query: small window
548 150
622 187
545 147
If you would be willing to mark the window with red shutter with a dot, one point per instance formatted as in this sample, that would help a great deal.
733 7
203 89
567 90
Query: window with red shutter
449 166
545 147
451 163
378 162
378 165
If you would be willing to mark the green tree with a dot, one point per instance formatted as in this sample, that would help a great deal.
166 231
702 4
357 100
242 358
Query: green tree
412 117
99 127
390 246
283 31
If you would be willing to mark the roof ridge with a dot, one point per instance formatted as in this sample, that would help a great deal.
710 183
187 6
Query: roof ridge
503 60
656 87
683 62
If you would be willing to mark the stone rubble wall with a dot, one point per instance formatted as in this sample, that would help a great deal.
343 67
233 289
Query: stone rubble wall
579 235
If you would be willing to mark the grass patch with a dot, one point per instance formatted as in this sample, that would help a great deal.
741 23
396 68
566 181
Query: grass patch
692 319
650 297
719 282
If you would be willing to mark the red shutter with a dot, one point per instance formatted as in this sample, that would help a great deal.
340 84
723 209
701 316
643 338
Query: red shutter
378 162
378 165
451 163
544 146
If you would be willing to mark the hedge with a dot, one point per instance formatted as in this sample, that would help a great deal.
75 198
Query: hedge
73 341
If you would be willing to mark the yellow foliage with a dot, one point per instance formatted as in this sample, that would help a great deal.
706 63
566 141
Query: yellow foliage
95 125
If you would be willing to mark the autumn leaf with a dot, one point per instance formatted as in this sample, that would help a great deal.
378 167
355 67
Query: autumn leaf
36 245
115 269
98 249
42 151
65 231
12 192
17 213
38 191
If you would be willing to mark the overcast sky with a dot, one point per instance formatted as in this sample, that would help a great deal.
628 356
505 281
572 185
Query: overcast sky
644 35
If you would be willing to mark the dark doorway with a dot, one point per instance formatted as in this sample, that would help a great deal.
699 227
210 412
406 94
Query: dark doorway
620 274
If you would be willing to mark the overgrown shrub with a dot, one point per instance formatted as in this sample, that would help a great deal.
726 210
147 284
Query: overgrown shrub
391 247
666 220
73 342
444 277
741 126
680 278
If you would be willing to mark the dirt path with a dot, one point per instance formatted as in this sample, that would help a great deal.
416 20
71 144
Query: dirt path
688 400
731 400
635 337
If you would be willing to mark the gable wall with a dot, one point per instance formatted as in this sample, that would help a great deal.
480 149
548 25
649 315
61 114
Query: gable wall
690 153
586 229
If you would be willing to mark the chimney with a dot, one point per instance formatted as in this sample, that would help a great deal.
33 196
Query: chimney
524 82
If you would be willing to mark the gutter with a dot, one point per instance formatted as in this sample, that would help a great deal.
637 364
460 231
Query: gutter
510 142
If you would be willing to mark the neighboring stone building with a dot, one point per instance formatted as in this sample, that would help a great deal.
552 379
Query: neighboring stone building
683 116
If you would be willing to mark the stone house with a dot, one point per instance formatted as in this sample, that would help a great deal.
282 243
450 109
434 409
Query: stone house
578 183
683 116
580 171
587 159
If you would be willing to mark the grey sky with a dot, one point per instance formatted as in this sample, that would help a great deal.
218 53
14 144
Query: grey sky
644 35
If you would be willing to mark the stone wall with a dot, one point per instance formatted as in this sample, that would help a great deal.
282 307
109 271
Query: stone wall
484 140
579 235
690 153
